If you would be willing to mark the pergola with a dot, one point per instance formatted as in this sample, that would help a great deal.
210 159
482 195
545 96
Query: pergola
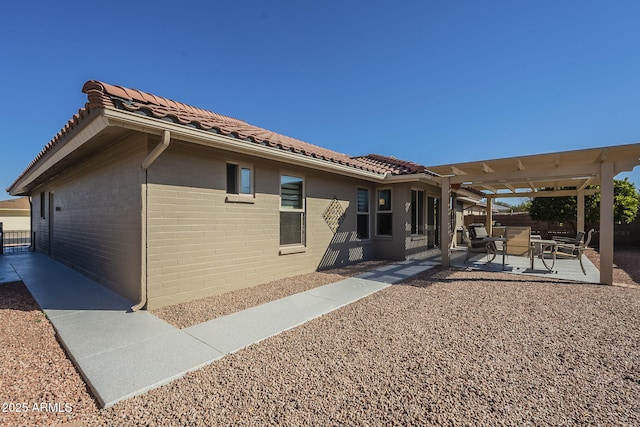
568 173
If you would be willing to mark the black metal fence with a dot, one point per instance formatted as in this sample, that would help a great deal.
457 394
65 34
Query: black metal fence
15 241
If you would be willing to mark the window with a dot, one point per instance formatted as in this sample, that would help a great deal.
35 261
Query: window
239 179
42 207
417 212
384 216
292 205
363 214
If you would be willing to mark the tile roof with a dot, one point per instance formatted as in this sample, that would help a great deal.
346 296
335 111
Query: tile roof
103 95
106 96
393 165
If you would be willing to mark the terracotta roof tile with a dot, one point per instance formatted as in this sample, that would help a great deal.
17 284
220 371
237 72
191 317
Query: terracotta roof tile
108 96
393 165
105 96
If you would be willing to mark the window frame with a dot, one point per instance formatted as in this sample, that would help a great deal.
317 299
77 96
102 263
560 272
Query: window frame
419 217
384 212
42 205
301 210
238 184
366 213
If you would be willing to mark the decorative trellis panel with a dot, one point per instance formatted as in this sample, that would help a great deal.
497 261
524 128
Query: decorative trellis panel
333 215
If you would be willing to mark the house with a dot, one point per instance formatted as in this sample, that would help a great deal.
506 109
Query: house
163 202
15 214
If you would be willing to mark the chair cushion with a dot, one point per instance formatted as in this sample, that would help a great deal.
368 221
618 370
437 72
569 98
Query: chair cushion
481 232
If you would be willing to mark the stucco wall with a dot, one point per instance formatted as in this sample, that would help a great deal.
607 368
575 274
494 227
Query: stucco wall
96 217
15 220
201 244
402 244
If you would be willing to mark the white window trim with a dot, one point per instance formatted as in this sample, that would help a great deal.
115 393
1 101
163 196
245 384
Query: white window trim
241 197
390 211
424 212
294 247
368 213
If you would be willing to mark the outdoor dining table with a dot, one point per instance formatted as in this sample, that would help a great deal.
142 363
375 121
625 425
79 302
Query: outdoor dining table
541 247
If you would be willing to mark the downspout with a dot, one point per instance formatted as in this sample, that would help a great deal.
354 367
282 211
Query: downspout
146 163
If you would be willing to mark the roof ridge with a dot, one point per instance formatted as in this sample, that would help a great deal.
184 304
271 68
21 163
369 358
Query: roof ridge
97 93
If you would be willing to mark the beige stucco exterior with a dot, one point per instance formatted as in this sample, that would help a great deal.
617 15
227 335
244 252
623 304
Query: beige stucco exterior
15 215
202 241
173 233
94 223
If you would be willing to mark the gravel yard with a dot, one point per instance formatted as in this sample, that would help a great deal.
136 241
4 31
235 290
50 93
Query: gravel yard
447 348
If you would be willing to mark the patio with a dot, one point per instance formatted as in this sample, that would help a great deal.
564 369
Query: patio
565 269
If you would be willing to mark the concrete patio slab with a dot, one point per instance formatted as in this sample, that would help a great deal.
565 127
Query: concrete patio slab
91 332
564 269
238 330
128 371
399 271
348 290
7 273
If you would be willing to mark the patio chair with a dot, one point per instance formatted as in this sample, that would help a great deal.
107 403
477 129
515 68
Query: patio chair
478 245
575 249
571 240
518 241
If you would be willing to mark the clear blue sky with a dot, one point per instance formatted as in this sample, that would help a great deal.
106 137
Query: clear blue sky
430 81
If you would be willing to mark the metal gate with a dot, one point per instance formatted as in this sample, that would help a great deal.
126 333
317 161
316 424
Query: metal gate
15 241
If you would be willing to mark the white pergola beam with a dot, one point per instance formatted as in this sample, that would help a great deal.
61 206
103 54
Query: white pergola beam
555 193
549 174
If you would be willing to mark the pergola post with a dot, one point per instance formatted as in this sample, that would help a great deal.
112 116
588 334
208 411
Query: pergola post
445 220
580 202
606 223
489 224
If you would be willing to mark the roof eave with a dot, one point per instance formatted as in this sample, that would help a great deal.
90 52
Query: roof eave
415 177
69 143
107 117
152 125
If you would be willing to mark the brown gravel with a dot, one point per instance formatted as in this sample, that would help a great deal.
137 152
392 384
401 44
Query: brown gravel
191 313
34 369
447 348
626 265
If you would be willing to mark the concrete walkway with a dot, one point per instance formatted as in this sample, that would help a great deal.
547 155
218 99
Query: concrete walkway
123 354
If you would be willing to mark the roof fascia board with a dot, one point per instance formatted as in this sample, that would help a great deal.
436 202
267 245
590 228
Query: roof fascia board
421 177
69 144
155 126
626 165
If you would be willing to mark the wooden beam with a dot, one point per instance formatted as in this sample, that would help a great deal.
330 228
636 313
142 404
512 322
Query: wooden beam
486 168
519 165
584 184
555 193
547 174
606 224
445 218
456 171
